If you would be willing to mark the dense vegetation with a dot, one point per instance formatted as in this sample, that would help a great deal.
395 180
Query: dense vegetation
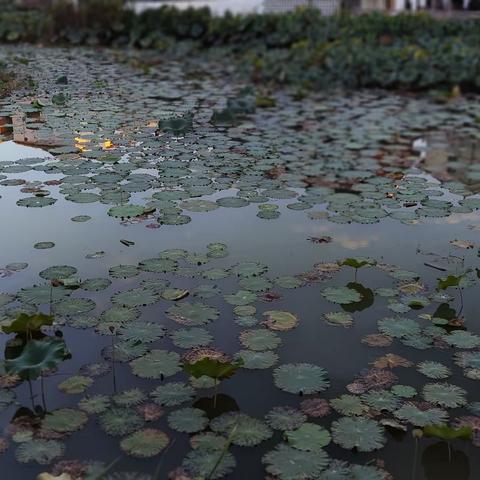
301 48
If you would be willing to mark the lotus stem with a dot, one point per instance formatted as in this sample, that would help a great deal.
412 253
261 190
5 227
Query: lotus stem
215 394
449 453
31 393
224 451
461 300
415 454
113 363
42 388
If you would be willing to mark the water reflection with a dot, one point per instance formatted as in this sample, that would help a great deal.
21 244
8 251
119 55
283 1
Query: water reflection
441 461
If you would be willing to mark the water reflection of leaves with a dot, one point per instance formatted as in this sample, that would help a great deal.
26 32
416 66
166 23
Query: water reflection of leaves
367 298
438 465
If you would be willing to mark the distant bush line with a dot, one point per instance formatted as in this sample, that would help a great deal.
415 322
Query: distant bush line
301 48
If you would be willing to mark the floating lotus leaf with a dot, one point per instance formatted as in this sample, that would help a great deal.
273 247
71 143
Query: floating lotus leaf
360 433
191 337
158 265
207 291
288 463
209 464
38 355
36 202
232 202
412 414
309 437
59 271
259 339
44 245
287 282
95 284
41 294
130 397
242 297
245 310
468 359
215 274
144 332
124 271
462 339
41 451
156 364
348 405
243 430
301 378
94 404
285 418
119 421
172 394
257 360
83 197
135 297
255 284
74 306
249 269
341 295
81 218
444 394
75 384
197 205
144 443
188 420
64 420
280 320
399 327
126 211
381 400
119 315
192 314
404 391
434 370
209 442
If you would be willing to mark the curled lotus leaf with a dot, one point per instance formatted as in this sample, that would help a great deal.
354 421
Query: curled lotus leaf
309 437
25 323
156 364
204 463
288 463
64 420
280 320
174 294
409 412
259 339
135 298
144 443
118 421
341 295
41 451
243 430
188 420
363 434
192 314
444 394
303 378
285 418
172 394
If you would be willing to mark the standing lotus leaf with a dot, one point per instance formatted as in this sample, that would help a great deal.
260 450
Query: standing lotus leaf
303 378
288 463
363 434
243 430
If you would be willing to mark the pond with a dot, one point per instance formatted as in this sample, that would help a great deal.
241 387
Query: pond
234 282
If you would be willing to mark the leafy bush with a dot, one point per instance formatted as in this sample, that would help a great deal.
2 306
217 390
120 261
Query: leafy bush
300 48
